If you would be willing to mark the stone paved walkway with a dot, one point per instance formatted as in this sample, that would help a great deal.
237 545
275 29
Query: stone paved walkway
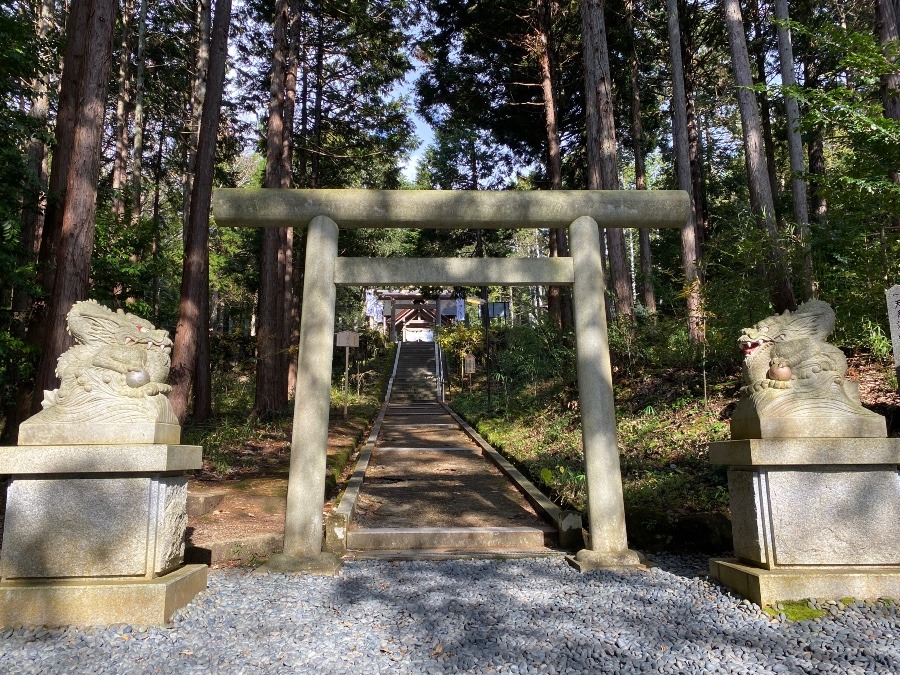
428 485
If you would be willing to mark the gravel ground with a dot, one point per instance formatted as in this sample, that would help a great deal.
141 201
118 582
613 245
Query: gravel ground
518 616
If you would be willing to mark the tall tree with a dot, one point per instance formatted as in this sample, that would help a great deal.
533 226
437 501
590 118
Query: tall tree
36 153
760 50
290 337
198 92
888 30
761 201
690 249
138 145
601 141
193 308
270 394
76 234
76 37
691 16
648 292
815 150
795 145
557 301
123 110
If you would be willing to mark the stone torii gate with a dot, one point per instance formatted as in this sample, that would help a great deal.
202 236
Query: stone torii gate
327 210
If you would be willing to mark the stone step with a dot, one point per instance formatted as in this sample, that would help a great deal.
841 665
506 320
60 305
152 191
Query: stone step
452 538
201 503
465 554
415 389
241 550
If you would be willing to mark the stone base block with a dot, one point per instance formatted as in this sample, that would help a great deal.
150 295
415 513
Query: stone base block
245 550
99 602
457 538
745 424
102 526
813 502
587 560
201 503
324 564
98 433
766 587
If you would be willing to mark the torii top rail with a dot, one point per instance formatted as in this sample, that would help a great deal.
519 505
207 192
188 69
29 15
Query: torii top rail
580 210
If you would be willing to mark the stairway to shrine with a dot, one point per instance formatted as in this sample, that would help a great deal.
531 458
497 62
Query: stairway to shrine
415 374
428 486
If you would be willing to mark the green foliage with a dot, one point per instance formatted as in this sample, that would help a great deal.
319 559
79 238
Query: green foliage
363 130
18 65
459 340
16 366
372 356
663 425
874 340
229 437
529 354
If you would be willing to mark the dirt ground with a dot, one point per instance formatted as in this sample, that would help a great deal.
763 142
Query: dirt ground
254 494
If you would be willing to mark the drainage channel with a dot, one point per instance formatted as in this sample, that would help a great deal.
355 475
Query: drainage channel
427 486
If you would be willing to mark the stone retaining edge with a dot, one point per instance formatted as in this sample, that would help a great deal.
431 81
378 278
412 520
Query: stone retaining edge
567 522
338 521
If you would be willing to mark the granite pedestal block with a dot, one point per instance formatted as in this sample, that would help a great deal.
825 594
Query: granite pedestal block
94 527
95 530
812 517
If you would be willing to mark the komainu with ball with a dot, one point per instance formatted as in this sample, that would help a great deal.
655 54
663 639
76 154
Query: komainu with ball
115 374
795 383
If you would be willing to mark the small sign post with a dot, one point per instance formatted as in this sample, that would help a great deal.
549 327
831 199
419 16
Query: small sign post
893 307
469 367
347 339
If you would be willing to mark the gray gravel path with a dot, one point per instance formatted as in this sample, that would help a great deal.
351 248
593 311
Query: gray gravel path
520 616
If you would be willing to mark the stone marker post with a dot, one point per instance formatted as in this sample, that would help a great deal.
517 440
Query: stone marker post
608 545
347 339
893 307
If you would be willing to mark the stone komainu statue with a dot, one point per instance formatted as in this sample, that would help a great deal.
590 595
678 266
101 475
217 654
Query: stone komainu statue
115 373
795 383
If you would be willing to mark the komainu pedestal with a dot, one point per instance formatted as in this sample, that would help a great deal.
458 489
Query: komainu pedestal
96 512
813 481
812 518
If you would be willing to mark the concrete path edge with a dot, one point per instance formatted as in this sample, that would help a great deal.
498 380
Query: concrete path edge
568 522
338 521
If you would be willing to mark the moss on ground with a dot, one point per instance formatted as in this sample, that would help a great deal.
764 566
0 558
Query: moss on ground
798 610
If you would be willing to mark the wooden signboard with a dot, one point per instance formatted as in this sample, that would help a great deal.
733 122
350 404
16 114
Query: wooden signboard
348 338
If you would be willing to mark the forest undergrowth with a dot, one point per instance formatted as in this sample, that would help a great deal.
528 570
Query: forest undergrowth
668 410
237 445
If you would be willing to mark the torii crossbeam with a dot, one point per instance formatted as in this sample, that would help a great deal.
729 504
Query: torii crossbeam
324 211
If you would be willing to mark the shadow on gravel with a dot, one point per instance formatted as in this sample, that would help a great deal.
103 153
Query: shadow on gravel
477 615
